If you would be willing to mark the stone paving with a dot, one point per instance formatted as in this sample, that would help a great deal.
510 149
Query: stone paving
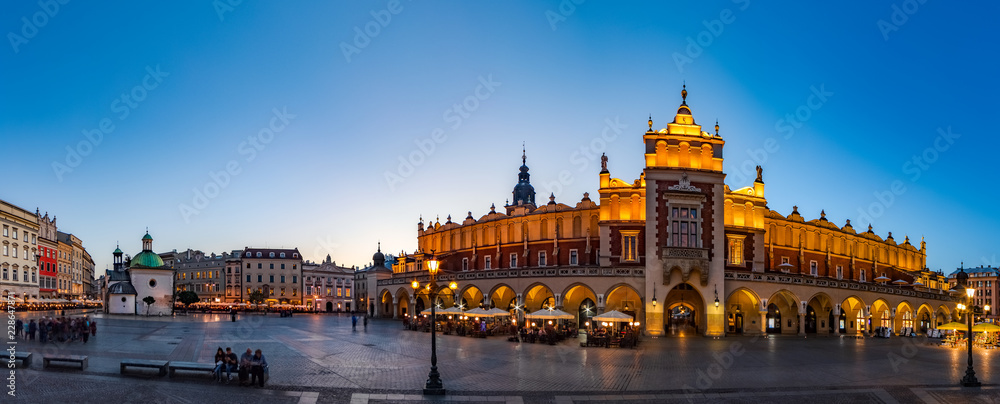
320 359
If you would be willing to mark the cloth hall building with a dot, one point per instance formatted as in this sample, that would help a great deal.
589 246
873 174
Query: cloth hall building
679 250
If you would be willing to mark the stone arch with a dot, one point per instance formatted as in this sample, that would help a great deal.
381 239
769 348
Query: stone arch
684 310
620 295
818 309
854 320
742 312
943 315
536 296
402 299
472 297
580 300
502 296
904 316
881 314
783 308
924 319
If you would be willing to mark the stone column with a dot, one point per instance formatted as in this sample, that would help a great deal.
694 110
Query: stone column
763 322
395 308
802 324
836 319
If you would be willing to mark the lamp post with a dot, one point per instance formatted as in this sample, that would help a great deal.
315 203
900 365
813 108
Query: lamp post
434 386
970 375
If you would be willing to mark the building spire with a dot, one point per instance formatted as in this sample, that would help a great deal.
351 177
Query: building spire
684 93
524 154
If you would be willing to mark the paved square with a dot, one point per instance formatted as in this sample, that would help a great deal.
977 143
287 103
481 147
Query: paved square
319 358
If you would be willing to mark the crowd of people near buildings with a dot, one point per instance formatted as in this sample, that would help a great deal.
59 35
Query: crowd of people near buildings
56 329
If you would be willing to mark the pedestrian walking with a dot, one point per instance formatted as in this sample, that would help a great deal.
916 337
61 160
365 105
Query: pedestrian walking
354 322
366 322
18 328
32 328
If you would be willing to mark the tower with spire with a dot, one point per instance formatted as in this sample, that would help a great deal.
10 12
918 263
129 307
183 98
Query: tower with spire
524 193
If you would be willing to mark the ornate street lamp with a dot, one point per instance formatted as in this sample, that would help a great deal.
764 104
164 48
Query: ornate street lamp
970 375
434 386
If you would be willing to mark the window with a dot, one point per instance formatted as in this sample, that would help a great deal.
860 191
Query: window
248 256
347 291
248 278
15 233
15 274
15 251
573 257
271 292
735 249
489 262
5 274
294 266
684 227
272 265
271 278
813 268
630 245
282 255
5 231
295 255
260 278
295 291
33 277
340 292
465 264
513 260
282 278
295 279
271 255
152 283
259 254
248 265
908 320
260 266
5 250
861 278
840 272
282 266
282 290
541 259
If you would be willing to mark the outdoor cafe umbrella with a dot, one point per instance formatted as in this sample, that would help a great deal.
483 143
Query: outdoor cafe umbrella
547 314
497 312
613 316
985 327
478 312
899 282
953 326
882 279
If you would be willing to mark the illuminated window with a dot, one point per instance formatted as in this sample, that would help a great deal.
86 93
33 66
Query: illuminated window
573 257
347 292
908 320
684 227
630 245
282 291
295 291
735 249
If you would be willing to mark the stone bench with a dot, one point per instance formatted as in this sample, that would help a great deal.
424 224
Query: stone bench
82 360
24 357
144 363
192 366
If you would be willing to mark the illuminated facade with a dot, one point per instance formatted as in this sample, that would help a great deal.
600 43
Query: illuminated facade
678 249
275 272
328 287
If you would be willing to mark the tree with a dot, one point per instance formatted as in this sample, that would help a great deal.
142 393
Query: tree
256 297
149 300
187 297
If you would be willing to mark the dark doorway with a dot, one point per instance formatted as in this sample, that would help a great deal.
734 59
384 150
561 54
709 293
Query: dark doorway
810 320
587 310
773 319
329 307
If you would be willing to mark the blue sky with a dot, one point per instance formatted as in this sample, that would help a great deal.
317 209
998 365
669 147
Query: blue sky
327 114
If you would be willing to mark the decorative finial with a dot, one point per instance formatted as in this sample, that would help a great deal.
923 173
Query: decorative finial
449 218
795 209
470 215
650 122
716 127
822 214
907 240
890 235
760 175
848 222
869 227
604 163
379 247
552 198
586 195
524 154
493 208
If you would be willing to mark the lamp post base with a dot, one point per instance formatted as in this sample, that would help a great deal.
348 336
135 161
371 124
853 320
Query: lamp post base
434 392
968 381
434 387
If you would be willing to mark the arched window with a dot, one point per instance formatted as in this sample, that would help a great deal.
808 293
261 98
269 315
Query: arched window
885 320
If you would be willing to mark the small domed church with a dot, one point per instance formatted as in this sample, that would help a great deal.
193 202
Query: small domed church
134 279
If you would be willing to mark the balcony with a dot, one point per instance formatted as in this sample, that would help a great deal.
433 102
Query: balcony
809 280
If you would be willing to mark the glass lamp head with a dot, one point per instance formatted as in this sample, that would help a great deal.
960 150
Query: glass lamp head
432 266
415 284
453 285
970 292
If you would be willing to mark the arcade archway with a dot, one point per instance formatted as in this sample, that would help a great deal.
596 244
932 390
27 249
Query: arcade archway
684 311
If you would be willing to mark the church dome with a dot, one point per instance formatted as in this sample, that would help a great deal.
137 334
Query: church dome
146 259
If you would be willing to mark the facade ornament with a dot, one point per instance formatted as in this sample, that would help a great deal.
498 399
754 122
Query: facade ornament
684 185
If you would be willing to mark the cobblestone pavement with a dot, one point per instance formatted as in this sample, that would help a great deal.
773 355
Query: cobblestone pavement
320 359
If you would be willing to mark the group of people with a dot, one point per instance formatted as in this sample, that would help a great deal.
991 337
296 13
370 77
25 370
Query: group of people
59 329
250 367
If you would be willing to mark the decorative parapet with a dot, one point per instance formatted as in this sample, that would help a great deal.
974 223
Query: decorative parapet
835 283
